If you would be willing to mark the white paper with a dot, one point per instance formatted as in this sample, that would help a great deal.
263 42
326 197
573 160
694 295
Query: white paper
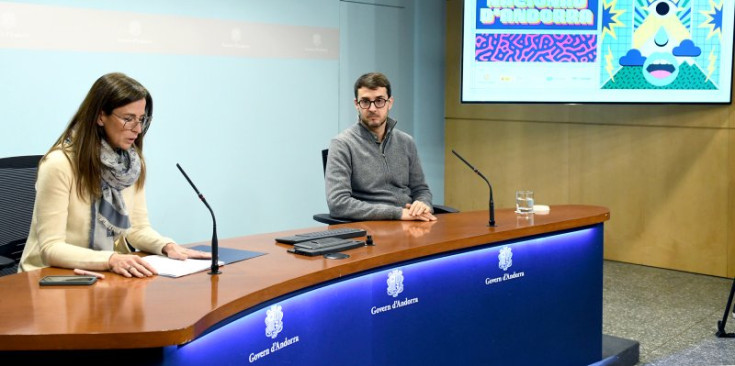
168 267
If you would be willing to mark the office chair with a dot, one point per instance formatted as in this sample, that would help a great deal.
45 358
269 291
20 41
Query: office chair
325 218
17 196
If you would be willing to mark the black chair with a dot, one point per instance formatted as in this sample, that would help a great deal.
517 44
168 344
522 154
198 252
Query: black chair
17 196
325 218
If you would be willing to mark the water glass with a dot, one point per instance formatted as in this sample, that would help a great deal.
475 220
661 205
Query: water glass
524 202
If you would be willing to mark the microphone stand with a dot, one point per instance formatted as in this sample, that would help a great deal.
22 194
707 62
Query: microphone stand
491 207
214 269
721 333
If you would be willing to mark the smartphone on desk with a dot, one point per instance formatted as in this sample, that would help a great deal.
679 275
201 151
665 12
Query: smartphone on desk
67 280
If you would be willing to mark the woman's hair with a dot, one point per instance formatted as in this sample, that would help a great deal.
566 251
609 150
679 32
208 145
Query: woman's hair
81 140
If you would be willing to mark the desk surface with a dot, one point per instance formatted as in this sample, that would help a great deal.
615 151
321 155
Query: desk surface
124 313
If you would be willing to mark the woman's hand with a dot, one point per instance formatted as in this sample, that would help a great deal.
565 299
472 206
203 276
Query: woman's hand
131 265
175 251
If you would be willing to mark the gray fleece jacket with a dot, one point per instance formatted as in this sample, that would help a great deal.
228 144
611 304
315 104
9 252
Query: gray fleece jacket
368 180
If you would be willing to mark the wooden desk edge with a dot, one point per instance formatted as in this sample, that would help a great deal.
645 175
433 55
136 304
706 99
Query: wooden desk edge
163 338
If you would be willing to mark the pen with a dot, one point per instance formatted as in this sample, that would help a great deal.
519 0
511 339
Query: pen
83 272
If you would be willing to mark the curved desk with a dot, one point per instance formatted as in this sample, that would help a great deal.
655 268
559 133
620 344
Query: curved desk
449 292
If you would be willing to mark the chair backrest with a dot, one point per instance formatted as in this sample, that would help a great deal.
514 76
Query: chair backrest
17 197
325 218
325 152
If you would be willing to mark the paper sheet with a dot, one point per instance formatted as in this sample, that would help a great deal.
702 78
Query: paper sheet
176 268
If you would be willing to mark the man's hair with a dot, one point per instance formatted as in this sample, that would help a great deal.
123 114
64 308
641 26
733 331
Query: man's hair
372 80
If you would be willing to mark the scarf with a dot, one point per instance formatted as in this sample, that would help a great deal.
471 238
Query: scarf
120 170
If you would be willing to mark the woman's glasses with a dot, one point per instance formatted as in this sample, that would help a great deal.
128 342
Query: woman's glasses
130 123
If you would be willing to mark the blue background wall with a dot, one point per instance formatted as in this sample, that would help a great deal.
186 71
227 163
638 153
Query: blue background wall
247 129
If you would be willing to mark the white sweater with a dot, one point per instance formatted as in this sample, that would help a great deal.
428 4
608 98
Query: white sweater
60 228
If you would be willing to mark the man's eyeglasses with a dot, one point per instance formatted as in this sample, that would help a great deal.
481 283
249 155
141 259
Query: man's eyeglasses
129 122
379 103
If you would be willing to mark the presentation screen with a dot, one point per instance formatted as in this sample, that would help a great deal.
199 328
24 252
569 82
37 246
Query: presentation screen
597 51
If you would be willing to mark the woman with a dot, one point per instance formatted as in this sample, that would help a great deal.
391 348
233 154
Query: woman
90 207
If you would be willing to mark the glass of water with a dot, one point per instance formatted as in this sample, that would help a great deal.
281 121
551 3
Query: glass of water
524 202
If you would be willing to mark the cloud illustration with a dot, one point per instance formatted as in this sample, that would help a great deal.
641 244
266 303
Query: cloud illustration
687 49
632 58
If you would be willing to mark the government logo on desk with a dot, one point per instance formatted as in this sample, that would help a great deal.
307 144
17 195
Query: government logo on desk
505 258
273 321
395 282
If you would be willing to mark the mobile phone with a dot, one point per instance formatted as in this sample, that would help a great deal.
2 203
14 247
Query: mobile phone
67 280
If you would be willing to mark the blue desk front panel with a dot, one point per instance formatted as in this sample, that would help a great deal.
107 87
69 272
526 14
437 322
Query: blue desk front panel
536 301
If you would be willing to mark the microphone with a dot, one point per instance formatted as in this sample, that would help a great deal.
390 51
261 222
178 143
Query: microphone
492 204
215 262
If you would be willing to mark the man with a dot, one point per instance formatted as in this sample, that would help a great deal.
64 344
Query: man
373 169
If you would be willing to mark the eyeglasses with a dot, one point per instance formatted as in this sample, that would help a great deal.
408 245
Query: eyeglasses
379 103
129 122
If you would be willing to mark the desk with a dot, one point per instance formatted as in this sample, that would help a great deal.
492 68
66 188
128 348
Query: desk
426 293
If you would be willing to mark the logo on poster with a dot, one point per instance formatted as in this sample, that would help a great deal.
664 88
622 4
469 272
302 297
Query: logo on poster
395 282
273 321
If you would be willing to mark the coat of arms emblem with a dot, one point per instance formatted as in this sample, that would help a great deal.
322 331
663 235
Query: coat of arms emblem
395 282
505 258
273 321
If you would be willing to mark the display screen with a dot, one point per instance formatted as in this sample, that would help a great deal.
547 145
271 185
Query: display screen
597 51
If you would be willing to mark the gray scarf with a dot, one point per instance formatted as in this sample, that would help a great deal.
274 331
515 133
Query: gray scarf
120 170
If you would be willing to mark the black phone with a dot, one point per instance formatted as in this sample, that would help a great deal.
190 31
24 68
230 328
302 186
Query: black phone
67 280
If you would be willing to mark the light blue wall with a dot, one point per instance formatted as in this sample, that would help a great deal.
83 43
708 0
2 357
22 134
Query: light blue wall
404 39
428 85
247 130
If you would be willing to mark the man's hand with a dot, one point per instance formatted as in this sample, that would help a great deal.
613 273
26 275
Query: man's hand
418 208
423 212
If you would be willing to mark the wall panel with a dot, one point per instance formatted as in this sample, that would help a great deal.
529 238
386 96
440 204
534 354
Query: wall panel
663 170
